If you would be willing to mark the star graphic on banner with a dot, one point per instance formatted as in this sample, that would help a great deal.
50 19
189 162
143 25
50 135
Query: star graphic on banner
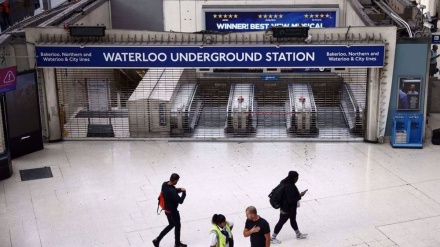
311 15
270 16
230 16
220 16
316 16
265 16
215 16
281 16
260 16
306 16
275 16
322 15
235 16
327 15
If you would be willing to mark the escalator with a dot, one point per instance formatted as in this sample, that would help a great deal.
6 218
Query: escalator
301 117
240 110
185 110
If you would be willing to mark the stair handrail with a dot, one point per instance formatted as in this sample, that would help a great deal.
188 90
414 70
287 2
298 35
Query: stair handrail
191 99
350 95
231 98
312 98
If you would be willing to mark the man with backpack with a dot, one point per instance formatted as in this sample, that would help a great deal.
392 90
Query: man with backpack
286 197
171 200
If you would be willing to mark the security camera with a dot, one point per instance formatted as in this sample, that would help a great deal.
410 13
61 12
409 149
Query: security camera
421 6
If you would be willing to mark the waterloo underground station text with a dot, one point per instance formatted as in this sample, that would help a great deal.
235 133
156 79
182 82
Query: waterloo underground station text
209 57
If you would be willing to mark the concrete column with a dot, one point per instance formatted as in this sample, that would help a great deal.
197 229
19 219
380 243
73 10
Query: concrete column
53 116
372 110
47 4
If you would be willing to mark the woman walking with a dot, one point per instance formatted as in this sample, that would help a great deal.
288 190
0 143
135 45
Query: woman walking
289 204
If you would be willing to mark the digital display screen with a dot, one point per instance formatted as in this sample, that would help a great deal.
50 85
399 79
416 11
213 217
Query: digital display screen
81 31
409 94
22 106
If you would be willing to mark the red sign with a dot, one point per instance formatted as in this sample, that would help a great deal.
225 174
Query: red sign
8 79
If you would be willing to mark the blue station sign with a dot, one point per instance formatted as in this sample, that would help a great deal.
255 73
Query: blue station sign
435 38
311 56
243 21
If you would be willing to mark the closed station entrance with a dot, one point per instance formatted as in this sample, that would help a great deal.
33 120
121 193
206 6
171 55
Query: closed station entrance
223 103
232 87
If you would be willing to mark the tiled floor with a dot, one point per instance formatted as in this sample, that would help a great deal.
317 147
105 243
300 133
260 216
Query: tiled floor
105 193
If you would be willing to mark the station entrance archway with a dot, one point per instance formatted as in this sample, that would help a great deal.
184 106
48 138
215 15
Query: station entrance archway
261 88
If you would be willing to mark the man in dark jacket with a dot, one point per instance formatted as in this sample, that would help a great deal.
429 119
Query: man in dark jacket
289 204
172 201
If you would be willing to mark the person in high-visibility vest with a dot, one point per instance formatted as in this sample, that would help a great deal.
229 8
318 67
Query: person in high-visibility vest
221 232
5 14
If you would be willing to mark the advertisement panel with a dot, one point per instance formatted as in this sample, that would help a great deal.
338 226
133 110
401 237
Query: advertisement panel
311 56
409 93
244 21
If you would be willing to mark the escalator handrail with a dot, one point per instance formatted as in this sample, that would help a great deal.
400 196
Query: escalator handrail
312 98
190 102
291 98
350 95
292 106
252 100
194 121
231 98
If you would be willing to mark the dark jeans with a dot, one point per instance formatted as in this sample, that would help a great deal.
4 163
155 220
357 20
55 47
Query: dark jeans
173 222
283 219
6 20
432 69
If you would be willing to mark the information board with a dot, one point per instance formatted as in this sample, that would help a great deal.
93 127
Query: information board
310 56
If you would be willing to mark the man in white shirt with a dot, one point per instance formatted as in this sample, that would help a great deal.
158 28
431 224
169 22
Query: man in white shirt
433 61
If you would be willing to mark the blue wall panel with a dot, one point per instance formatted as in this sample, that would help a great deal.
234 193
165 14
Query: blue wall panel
410 60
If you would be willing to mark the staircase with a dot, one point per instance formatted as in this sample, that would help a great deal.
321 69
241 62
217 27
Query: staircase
215 101
271 107
330 117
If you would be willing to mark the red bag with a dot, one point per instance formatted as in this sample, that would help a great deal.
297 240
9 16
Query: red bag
161 204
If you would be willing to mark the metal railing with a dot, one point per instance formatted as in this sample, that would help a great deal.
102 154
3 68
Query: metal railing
352 113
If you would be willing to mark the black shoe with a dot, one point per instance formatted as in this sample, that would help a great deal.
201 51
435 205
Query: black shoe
181 245
156 243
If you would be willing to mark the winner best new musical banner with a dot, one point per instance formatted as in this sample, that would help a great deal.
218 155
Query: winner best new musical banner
233 21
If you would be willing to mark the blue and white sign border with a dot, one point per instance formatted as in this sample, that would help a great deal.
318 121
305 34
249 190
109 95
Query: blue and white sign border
319 50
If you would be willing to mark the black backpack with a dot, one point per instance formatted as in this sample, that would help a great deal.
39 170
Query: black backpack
276 196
